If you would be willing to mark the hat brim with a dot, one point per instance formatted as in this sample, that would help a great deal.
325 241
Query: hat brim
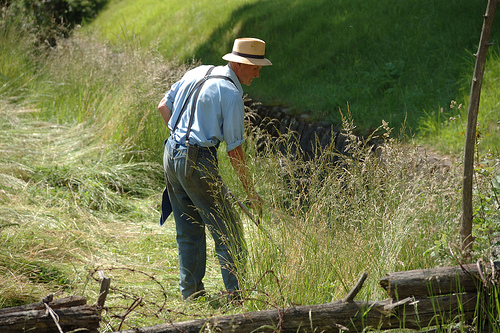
248 61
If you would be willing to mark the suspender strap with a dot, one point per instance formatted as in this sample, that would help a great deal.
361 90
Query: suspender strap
197 88
193 104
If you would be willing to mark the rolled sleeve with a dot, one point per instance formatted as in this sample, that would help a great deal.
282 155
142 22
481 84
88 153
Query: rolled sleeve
234 125
170 96
234 145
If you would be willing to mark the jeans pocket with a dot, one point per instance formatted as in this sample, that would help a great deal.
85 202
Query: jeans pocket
190 163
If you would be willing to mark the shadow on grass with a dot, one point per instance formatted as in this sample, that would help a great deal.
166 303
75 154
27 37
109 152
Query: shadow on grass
387 60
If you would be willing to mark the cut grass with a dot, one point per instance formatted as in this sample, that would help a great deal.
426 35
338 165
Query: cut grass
69 207
53 236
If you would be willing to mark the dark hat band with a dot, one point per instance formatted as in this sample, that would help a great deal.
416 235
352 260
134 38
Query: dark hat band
245 55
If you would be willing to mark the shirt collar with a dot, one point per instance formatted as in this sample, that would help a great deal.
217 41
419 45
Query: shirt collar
233 77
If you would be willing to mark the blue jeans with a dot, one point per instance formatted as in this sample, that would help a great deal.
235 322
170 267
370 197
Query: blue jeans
198 201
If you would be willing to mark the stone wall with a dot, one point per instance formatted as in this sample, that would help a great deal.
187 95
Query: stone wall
275 121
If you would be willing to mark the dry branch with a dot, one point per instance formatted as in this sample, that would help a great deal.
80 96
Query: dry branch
354 291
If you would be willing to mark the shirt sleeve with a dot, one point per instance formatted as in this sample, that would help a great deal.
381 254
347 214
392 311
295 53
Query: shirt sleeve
170 95
233 124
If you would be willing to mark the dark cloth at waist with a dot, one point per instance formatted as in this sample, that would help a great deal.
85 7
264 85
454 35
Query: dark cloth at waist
210 151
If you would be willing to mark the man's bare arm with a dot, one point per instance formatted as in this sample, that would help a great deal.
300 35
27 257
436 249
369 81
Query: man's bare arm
165 112
237 158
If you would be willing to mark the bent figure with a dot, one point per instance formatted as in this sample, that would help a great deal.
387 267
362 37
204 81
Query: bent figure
201 110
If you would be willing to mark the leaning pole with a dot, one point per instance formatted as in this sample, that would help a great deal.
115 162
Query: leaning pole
470 140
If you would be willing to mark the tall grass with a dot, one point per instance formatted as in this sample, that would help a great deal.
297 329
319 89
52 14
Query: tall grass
18 71
331 221
119 91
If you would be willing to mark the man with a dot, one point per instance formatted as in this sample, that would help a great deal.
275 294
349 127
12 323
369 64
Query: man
201 110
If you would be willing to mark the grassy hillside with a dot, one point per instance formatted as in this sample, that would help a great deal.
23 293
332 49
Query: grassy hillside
388 59
444 128
81 179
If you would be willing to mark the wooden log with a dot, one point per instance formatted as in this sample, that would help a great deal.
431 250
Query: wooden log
435 281
72 313
66 302
79 317
352 316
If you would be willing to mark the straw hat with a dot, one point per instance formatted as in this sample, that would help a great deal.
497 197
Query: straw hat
248 51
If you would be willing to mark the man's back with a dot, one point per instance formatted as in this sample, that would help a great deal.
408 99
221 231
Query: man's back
219 108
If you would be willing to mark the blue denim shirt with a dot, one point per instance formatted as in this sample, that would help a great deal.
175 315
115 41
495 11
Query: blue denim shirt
219 109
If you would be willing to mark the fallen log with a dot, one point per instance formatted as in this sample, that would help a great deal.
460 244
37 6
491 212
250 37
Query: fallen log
66 302
352 316
40 321
438 281
51 315
56 315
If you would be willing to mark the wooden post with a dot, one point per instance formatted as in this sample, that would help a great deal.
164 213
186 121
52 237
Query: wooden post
470 141
103 292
